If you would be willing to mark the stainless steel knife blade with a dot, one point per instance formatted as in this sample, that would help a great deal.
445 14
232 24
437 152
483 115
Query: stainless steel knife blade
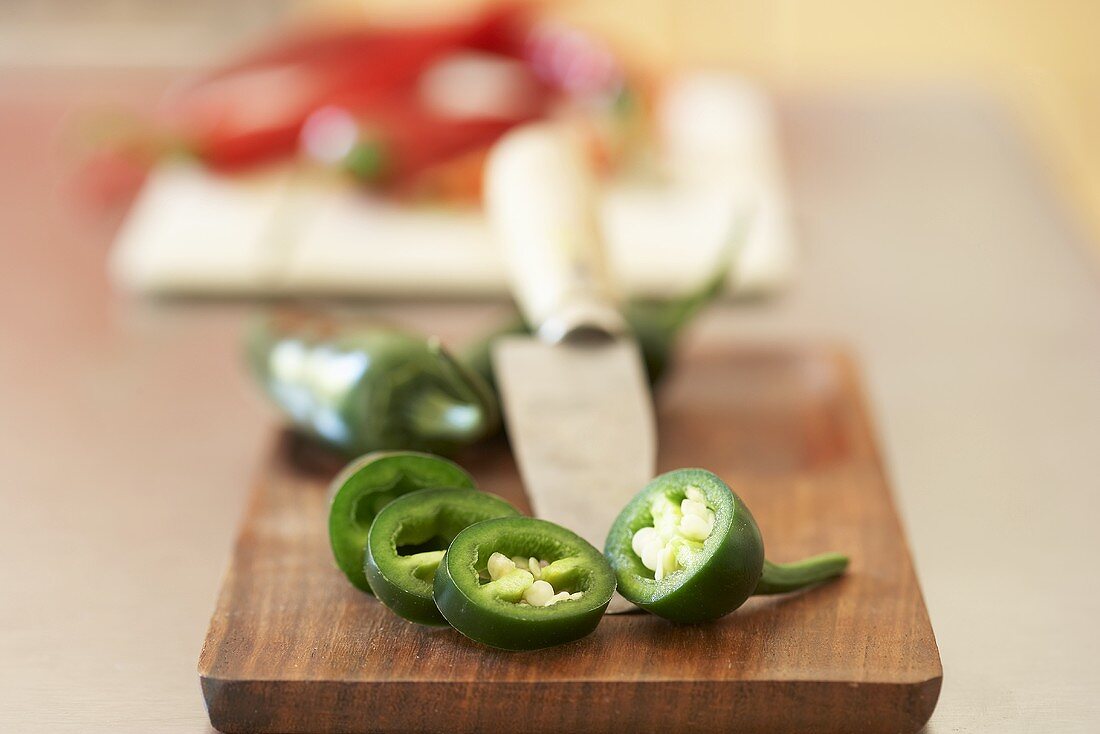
576 401
580 420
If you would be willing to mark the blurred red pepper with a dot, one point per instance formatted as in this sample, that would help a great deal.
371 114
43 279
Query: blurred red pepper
411 109
398 146
253 110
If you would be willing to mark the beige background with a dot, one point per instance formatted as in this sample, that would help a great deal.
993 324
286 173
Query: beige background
934 245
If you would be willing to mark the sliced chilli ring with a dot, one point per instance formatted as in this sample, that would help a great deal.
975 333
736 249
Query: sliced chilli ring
367 485
492 612
408 540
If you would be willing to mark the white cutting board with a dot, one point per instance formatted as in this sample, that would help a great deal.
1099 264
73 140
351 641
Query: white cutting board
282 231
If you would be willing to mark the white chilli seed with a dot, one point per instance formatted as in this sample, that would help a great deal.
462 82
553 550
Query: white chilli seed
500 565
694 527
668 559
642 539
678 530
691 507
538 593
651 554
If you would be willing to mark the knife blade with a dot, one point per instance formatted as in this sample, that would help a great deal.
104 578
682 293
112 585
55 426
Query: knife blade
577 405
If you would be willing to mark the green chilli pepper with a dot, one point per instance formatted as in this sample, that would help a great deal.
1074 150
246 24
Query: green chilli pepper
656 324
687 548
522 584
407 541
367 485
367 388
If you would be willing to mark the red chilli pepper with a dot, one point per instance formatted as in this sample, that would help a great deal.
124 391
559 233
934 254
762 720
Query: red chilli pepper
409 138
253 110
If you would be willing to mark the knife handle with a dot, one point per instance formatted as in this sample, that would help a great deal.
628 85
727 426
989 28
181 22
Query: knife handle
540 197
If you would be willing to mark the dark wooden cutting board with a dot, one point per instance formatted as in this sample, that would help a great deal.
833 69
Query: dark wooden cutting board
292 647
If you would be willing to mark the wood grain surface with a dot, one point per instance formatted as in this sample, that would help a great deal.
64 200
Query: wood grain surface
292 647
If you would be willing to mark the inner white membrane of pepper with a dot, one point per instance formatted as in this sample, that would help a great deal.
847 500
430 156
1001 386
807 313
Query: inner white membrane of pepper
527 572
678 531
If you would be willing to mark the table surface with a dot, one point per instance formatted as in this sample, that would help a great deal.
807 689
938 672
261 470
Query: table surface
129 434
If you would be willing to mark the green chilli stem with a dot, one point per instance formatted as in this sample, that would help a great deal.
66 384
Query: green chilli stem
471 380
779 578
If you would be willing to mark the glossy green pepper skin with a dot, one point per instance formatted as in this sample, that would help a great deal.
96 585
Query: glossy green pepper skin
368 484
728 569
408 539
362 388
489 611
